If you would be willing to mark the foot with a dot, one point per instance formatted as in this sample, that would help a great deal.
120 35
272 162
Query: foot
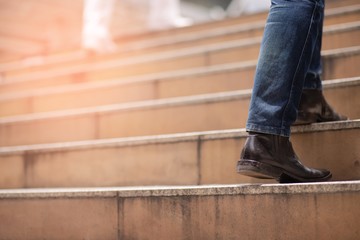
272 156
314 108
99 44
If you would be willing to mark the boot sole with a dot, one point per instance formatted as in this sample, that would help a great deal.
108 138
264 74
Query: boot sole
260 170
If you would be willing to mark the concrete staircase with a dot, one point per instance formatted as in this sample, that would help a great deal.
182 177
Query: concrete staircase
78 133
298 211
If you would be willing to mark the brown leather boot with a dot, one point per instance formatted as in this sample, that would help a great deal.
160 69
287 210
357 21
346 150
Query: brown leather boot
272 156
314 108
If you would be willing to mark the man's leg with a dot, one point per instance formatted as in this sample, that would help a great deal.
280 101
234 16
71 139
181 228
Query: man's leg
97 17
313 106
290 38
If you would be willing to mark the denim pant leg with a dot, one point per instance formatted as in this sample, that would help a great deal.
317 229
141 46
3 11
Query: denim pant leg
289 40
313 75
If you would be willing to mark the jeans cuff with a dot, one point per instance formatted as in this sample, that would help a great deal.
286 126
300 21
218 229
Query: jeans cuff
285 132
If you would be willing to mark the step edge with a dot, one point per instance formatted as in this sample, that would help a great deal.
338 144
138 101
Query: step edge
238 27
157 103
84 67
342 10
199 71
340 52
235 29
178 191
342 27
242 43
166 76
169 138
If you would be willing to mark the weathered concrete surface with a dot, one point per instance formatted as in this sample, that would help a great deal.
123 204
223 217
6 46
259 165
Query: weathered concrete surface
176 159
270 211
215 111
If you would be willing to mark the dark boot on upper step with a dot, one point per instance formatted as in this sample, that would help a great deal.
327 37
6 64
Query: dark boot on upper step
272 156
314 108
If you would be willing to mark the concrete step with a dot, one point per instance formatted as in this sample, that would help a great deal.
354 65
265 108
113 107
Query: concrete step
220 78
336 36
269 211
336 13
224 110
209 79
176 159
210 55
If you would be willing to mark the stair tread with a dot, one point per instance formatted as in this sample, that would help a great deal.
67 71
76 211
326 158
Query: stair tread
189 190
172 54
170 138
155 103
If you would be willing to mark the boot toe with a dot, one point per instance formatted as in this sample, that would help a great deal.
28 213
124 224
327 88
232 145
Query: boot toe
312 175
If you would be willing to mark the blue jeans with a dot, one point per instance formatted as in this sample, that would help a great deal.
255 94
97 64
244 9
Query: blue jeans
289 62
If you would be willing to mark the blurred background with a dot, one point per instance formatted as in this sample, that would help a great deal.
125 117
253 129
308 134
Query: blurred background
42 27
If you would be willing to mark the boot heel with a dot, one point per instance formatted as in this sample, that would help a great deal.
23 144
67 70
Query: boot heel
257 169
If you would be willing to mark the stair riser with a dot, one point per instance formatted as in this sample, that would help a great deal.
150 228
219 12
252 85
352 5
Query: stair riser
214 115
206 116
241 78
341 38
250 52
185 217
331 40
343 68
186 161
212 58
247 20
87 98
198 29
47 218
241 217
191 60
235 79
345 18
208 212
